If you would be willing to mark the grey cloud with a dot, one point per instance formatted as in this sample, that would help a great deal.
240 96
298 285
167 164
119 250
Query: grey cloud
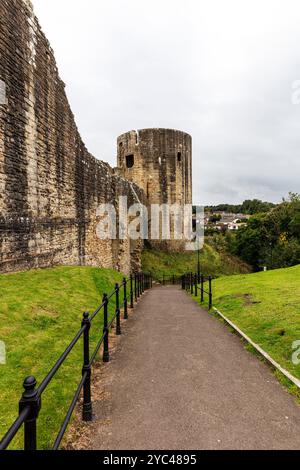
221 71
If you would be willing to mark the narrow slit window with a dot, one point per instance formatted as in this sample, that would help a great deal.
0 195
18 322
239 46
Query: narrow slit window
129 161
179 157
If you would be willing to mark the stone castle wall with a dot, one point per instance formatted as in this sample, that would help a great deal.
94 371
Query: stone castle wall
50 186
160 162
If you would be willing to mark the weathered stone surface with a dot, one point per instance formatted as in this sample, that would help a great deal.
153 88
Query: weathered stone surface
160 162
50 186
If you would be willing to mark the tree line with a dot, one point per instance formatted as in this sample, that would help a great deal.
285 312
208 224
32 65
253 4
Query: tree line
271 237
248 207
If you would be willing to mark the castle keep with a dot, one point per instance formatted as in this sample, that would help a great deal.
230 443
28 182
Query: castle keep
50 185
160 162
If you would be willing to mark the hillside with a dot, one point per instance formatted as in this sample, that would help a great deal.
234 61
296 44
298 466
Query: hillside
40 313
160 263
266 306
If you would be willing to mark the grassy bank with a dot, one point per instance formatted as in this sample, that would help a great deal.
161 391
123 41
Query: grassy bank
266 306
40 312
167 264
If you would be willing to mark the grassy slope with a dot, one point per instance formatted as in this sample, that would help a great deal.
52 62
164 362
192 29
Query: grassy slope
212 262
266 306
40 312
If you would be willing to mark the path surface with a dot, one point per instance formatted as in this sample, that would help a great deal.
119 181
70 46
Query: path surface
181 380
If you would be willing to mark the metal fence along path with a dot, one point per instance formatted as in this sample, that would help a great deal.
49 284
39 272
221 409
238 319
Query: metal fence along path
125 295
195 283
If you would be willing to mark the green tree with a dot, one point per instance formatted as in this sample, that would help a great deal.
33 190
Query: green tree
271 238
248 242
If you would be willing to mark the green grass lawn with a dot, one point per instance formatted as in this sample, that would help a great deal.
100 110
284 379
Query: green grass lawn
40 312
266 306
160 263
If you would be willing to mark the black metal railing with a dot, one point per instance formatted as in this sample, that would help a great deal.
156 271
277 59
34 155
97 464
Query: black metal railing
195 283
30 404
170 280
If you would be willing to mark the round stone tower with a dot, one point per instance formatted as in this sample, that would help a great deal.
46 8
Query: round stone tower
160 162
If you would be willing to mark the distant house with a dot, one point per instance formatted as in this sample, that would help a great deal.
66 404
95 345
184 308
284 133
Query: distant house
236 225
223 221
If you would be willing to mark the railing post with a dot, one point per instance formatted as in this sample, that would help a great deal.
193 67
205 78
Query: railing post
32 399
131 291
135 286
196 285
173 280
87 413
118 316
202 288
105 330
125 300
192 282
210 293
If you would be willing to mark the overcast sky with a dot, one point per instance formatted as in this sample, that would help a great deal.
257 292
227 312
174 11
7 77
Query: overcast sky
219 70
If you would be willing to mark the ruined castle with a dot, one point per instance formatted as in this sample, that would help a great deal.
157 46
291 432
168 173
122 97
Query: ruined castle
50 185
